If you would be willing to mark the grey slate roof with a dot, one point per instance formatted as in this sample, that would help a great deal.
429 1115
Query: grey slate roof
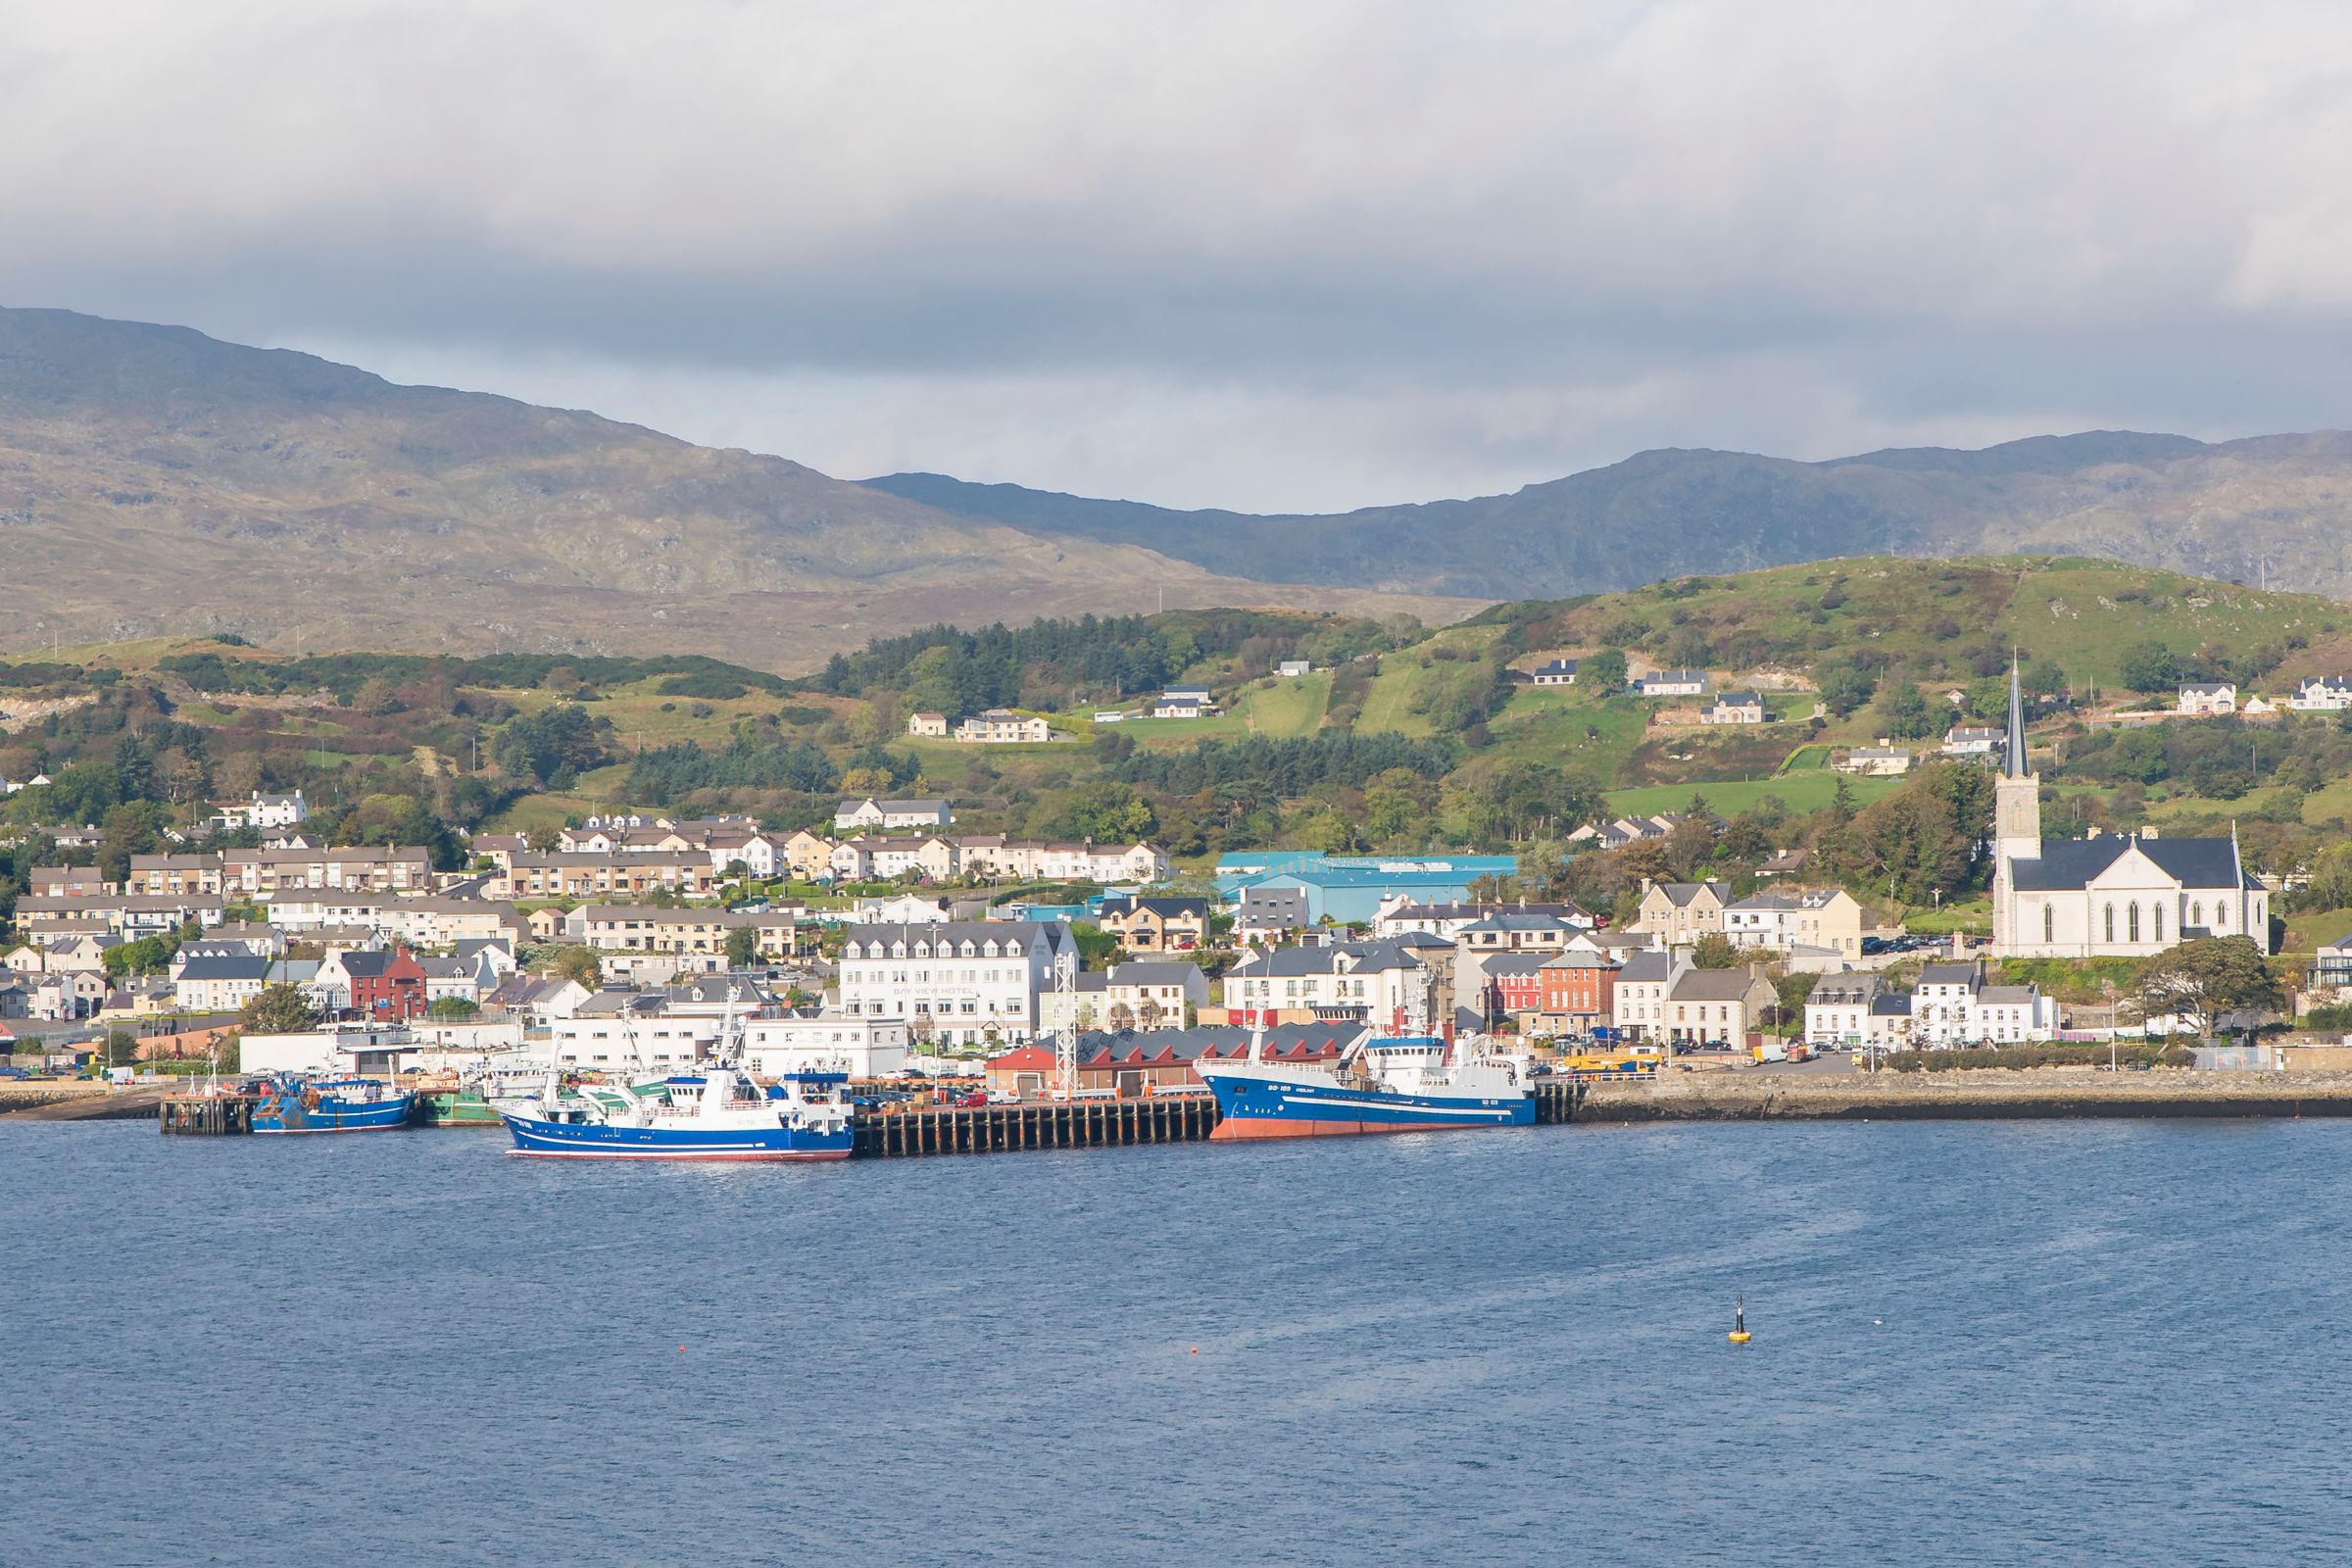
1646 964
2071 864
1713 984
225 967
1156 972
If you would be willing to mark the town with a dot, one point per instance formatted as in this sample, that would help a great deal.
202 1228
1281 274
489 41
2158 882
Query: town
888 943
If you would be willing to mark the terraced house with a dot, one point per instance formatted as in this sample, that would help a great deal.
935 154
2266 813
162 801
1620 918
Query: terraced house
648 928
686 872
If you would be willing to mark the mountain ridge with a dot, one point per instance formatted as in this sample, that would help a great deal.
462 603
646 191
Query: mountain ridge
156 481
2251 510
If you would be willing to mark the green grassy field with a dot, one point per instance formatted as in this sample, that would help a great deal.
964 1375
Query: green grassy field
1284 707
2083 614
1799 791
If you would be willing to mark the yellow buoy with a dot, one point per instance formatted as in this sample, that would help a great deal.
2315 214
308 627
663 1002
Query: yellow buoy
1740 1334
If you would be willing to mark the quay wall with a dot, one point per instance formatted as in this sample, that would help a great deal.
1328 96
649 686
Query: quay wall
1988 1094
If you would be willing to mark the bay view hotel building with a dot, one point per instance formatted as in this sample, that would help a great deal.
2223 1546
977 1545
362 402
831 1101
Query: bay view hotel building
2109 894
955 982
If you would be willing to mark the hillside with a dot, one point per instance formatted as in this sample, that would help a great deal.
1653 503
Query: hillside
2268 509
154 481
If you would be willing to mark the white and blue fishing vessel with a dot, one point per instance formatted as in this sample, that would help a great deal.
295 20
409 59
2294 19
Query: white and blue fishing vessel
721 1112
1379 1084
293 1104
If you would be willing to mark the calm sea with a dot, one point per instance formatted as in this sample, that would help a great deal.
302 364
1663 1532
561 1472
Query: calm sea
2029 1342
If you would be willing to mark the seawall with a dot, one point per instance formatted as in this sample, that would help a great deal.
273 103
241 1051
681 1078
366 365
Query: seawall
1990 1094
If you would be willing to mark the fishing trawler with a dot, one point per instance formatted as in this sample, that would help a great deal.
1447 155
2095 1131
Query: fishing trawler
1381 1084
292 1104
717 1113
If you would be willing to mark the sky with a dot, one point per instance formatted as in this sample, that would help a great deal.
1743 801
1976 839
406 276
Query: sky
1302 256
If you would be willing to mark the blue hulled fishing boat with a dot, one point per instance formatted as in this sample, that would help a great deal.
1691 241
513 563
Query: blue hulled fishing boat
292 1104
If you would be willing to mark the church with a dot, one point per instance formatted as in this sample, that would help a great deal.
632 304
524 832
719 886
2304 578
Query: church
2109 894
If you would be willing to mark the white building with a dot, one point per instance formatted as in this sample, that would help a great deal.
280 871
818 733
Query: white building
1826 919
1953 1007
2110 895
1857 1011
1555 672
827 1042
1001 726
219 983
1673 683
890 815
1973 740
2323 694
624 1031
1735 707
2208 697
1643 985
262 811
960 982
1378 983
1874 762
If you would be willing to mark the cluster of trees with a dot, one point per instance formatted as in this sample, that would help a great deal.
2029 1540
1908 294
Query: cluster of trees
754 759
2222 758
2151 667
555 746
346 674
1049 663
1291 766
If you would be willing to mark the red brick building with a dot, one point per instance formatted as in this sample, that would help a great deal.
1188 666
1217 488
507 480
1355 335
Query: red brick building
386 986
1578 990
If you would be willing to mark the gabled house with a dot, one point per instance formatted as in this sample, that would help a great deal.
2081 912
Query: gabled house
1736 708
1673 683
1152 995
2323 694
2208 697
1681 912
383 987
1554 672
1171 924
1717 1006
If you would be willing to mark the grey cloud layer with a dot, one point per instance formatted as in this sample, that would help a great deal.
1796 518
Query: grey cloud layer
1303 255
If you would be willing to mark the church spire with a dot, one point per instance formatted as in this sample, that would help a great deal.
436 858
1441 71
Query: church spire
2013 761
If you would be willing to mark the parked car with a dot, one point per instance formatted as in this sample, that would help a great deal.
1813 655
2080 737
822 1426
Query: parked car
969 1099
1002 1096
16 1073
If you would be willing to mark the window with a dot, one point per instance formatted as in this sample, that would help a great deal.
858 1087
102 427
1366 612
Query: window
2108 925
2158 914
2131 921
2196 914
2221 918
2050 922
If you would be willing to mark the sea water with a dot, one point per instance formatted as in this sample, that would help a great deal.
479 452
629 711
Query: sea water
2026 1343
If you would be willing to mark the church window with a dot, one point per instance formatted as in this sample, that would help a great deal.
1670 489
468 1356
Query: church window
2221 918
2196 914
2158 913
2131 921
2108 923
2050 922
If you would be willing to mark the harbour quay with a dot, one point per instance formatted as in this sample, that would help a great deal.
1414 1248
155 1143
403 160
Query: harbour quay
901 1132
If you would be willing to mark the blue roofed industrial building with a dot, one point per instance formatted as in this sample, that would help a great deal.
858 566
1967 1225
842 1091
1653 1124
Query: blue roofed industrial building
1347 890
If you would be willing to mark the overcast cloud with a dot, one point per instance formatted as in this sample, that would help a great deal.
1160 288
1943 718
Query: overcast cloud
1294 254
